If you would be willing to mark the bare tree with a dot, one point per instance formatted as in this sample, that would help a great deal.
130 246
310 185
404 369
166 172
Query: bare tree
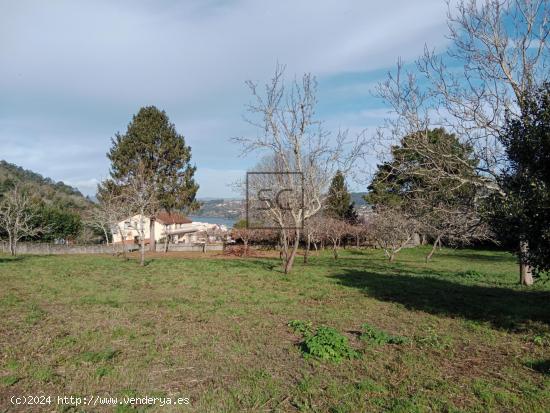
140 196
454 226
360 231
333 232
113 208
97 219
393 230
298 149
312 234
243 234
17 216
502 47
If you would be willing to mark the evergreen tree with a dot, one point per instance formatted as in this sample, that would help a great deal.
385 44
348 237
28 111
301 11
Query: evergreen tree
410 173
522 212
152 145
339 204
437 187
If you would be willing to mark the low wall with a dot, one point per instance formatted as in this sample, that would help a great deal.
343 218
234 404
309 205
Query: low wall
190 247
41 248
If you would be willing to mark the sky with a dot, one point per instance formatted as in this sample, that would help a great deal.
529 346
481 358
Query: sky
72 73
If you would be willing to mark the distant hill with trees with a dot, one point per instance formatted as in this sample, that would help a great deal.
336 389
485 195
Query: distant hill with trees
222 208
45 189
53 212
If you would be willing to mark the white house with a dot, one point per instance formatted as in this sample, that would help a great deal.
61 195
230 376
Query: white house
176 226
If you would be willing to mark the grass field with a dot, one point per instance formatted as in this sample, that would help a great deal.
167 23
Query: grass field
216 330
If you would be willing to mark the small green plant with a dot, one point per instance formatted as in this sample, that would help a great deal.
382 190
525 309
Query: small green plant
542 340
43 374
328 344
434 340
35 314
9 380
99 356
378 337
471 274
103 371
304 328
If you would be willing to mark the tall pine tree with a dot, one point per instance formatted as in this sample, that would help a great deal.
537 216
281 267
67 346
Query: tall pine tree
151 142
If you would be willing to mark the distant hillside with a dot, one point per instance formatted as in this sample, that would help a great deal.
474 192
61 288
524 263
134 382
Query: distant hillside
222 208
234 208
45 188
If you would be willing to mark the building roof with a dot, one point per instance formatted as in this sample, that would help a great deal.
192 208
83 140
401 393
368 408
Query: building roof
172 218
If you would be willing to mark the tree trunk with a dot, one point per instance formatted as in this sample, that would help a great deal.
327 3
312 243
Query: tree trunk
10 243
166 239
392 257
436 243
123 236
335 250
152 240
289 262
142 250
525 270
284 248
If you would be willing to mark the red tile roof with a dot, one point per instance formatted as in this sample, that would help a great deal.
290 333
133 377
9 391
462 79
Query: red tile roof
172 218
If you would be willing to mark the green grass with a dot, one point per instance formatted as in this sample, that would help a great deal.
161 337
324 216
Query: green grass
457 334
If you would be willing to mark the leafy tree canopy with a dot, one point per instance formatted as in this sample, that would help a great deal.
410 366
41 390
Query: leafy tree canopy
152 143
523 211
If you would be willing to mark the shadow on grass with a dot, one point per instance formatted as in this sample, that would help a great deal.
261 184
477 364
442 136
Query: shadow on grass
10 258
502 307
481 257
541 366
